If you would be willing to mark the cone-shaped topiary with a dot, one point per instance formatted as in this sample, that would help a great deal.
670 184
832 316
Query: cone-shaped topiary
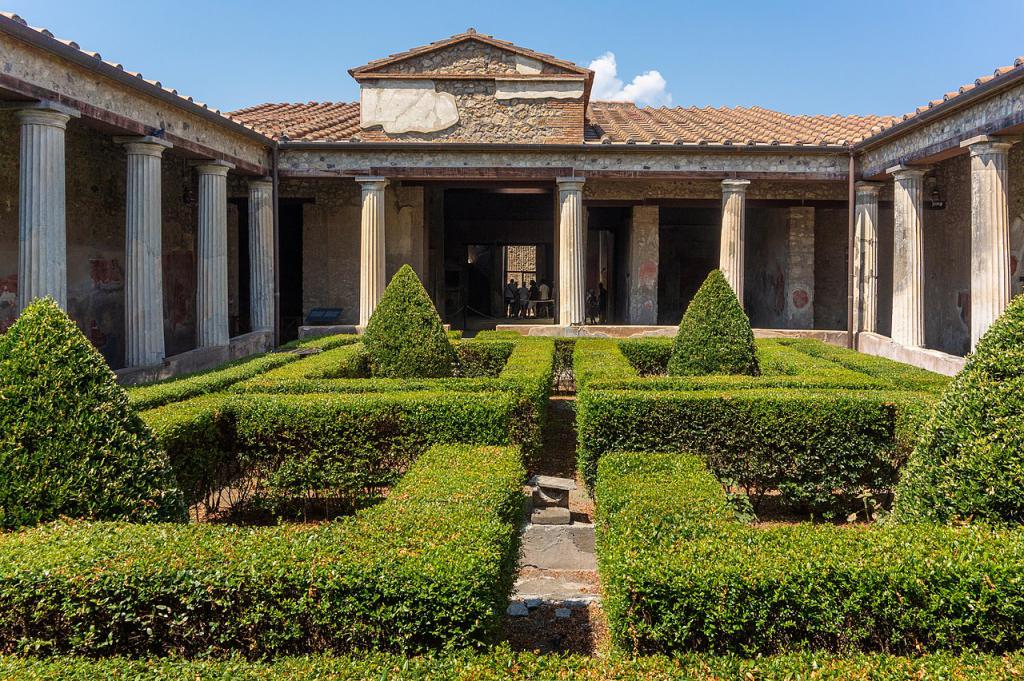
69 443
714 336
405 337
969 462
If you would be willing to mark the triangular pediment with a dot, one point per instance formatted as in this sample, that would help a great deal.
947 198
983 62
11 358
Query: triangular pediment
468 55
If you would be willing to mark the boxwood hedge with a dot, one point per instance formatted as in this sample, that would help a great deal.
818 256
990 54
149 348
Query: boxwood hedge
502 663
807 435
679 574
429 567
70 445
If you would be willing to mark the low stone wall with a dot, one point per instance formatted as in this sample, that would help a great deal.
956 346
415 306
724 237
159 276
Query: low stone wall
932 360
199 359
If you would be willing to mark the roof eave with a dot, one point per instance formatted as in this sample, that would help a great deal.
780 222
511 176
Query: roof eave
583 146
947 107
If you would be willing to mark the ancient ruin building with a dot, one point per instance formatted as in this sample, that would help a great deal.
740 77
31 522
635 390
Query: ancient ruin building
176 234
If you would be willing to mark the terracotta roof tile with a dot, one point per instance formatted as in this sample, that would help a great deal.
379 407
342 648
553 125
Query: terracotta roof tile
312 121
621 122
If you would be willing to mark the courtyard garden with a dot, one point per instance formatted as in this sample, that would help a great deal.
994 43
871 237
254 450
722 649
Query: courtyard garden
354 506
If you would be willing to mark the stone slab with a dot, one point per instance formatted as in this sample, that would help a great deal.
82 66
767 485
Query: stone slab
830 336
932 360
551 515
552 482
558 547
563 590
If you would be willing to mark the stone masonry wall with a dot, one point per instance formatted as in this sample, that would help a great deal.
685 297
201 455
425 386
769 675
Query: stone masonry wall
470 56
483 118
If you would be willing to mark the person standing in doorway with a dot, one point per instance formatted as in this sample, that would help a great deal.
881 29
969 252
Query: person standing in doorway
524 299
510 298
545 296
602 304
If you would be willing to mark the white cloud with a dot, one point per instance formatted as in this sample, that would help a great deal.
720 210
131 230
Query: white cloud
648 88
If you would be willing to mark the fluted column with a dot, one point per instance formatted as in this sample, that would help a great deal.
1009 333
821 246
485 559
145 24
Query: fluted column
143 290
371 246
865 257
908 256
572 252
990 233
734 197
42 232
261 254
212 255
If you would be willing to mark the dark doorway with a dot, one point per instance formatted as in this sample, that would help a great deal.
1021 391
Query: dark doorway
290 268
242 322
688 243
608 259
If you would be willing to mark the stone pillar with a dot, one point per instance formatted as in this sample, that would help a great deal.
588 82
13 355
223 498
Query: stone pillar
908 256
800 268
990 232
212 255
371 247
261 254
865 257
643 265
42 233
572 252
144 282
734 197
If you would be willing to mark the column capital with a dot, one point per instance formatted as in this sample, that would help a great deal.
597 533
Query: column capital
143 145
570 183
988 144
372 182
901 172
263 183
735 185
213 167
864 187
43 112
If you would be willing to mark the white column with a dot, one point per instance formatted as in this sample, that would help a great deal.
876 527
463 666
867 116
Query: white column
572 252
42 232
908 256
865 257
734 196
143 290
990 232
212 255
371 247
261 254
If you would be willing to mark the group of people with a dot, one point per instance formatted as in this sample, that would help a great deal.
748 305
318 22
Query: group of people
597 305
518 298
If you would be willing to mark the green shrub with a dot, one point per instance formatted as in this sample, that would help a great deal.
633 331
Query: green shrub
970 461
321 342
475 359
678 575
214 380
198 437
404 337
347 361
69 443
714 336
429 567
649 356
501 663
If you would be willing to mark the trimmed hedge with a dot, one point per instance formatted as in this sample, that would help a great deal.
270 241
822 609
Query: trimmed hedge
714 335
69 443
346 361
429 567
475 359
215 380
679 575
970 461
404 337
502 663
807 436
321 342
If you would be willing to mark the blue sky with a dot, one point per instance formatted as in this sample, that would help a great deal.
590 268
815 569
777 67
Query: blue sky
798 57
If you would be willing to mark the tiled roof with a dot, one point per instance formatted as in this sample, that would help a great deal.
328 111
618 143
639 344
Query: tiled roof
1001 73
46 35
624 122
313 121
469 34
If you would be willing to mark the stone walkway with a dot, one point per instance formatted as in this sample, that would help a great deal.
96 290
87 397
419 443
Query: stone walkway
555 606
